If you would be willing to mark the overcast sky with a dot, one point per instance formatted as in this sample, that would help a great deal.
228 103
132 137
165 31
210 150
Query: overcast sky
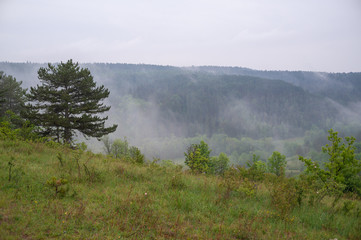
312 35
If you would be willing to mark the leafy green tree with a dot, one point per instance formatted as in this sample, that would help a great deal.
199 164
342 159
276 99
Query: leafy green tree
204 149
277 163
342 171
197 157
136 155
218 165
120 148
68 101
12 95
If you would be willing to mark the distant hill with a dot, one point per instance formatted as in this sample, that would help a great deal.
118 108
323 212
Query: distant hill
157 101
341 87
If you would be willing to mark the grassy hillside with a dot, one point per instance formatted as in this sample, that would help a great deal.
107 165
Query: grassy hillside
53 192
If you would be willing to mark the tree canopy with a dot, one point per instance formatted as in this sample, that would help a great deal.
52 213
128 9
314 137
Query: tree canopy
342 171
12 95
197 157
67 101
277 163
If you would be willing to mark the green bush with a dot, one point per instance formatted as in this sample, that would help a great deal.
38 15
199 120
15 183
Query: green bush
136 155
13 127
217 165
231 181
284 196
6 133
59 186
247 188
121 149
256 169
342 171
197 157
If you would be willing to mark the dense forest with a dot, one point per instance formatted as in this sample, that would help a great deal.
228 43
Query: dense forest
238 111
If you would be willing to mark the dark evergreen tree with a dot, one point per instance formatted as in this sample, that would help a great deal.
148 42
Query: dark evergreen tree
68 101
12 95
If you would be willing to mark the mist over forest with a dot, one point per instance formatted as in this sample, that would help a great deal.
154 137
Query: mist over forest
239 111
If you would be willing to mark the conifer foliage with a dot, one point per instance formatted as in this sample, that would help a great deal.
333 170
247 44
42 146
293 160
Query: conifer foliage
67 101
12 95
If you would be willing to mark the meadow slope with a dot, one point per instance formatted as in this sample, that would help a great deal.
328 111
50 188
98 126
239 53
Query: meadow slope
48 191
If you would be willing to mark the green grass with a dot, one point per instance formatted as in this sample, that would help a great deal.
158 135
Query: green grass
107 198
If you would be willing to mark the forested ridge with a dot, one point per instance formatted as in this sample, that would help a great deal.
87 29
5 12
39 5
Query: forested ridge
236 105
229 100
341 87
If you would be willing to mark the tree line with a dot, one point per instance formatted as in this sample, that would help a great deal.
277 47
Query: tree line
340 174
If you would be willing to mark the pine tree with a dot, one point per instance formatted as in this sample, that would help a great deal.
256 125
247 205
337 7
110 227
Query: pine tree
12 95
68 101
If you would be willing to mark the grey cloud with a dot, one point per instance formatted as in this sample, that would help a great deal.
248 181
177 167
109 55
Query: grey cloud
282 35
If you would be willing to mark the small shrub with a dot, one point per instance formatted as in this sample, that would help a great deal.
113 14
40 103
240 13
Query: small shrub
81 146
6 133
136 155
256 169
218 165
53 144
234 181
58 185
231 179
230 182
284 196
247 188
301 190
348 206
12 127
